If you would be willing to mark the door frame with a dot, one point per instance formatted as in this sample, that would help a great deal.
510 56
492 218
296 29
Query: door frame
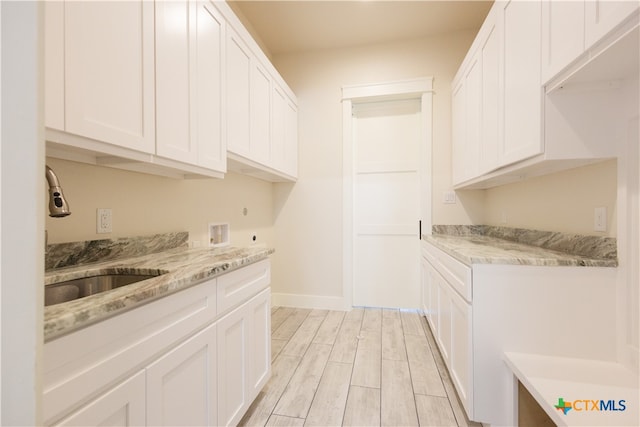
422 89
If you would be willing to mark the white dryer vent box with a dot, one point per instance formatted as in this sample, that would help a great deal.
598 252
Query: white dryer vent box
218 234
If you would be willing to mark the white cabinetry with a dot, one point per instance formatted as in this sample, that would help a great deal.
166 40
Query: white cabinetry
562 35
108 75
466 112
244 345
123 405
545 68
522 92
163 87
478 312
183 362
449 315
189 83
181 385
602 16
262 112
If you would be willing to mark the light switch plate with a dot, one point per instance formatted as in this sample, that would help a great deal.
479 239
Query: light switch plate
449 197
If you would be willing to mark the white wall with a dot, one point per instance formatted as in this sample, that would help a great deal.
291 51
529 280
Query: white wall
308 216
563 201
146 204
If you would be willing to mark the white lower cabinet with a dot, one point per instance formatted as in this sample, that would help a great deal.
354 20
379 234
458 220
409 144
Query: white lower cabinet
244 357
123 405
479 312
172 362
181 385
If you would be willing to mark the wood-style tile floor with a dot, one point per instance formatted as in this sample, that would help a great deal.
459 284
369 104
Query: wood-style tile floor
366 367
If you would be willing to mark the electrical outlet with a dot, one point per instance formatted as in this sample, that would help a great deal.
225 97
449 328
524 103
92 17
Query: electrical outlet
600 219
103 221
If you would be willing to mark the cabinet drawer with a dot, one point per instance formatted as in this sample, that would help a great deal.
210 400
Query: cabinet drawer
238 286
457 274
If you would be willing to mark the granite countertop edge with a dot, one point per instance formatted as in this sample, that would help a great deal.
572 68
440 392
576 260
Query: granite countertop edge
180 269
475 249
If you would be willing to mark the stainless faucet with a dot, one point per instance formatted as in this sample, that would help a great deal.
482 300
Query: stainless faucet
58 206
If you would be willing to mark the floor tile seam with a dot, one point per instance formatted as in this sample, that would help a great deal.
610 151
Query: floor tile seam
272 411
339 327
413 391
309 343
298 327
446 382
315 392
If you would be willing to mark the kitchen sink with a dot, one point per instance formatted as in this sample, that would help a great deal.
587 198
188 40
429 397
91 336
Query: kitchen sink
58 293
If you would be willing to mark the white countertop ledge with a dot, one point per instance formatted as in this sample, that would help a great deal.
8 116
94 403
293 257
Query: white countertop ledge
549 378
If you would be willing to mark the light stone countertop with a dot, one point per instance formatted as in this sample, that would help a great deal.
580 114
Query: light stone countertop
182 268
480 249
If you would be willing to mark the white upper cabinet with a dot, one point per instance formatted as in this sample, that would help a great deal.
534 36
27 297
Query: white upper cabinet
562 35
602 16
284 132
262 128
547 90
522 88
238 64
172 88
490 93
260 115
466 113
189 83
109 75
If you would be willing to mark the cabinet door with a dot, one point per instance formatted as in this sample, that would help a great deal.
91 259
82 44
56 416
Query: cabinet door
175 78
212 149
123 405
460 355
491 82
260 115
522 103
458 132
443 335
602 16
233 366
260 346
562 35
466 113
189 49
109 75
278 117
181 385
238 63
291 140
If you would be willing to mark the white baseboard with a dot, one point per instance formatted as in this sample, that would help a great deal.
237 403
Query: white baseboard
309 301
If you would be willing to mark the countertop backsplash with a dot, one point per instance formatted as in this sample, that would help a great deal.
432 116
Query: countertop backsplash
71 254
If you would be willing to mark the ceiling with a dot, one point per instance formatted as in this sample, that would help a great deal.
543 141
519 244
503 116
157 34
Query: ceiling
300 25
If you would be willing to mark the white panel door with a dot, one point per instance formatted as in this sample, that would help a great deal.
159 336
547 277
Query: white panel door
123 405
109 75
387 204
491 81
181 385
